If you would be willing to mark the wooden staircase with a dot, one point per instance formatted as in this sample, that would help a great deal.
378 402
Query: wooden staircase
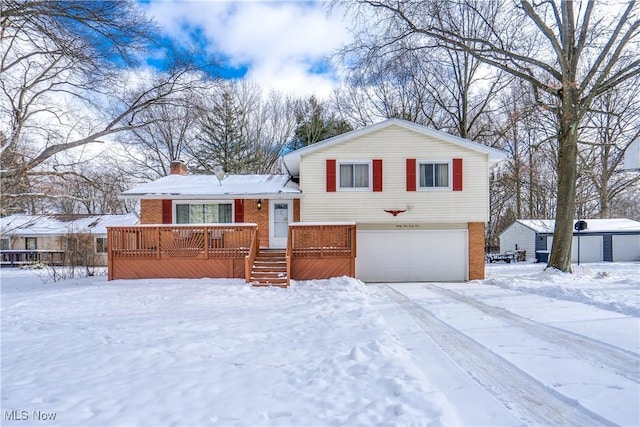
270 268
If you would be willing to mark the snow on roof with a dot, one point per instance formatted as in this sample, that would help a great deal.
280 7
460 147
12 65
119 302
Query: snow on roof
593 225
39 225
292 159
208 186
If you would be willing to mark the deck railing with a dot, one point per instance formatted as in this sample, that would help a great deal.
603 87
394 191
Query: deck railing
322 240
19 257
174 241
179 245
321 250
251 257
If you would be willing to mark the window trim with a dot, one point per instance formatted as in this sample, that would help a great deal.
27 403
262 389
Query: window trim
448 162
174 208
105 246
26 243
369 164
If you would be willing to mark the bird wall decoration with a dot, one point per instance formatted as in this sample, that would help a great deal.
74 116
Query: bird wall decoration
395 212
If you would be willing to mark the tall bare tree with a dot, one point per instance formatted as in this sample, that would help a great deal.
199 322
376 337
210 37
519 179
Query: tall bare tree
569 52
607 133
64 83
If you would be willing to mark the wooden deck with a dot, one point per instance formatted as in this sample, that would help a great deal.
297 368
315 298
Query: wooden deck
314 251
180 251
321 251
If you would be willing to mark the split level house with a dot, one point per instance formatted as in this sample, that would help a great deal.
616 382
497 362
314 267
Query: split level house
390 202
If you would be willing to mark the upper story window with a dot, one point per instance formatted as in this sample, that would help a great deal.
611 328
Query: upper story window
434 175
5 244
355 175
203 213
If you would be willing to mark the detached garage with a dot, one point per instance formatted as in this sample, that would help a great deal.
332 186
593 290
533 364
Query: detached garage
412 255
603 239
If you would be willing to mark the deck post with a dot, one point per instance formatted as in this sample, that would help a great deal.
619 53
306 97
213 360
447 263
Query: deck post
158 234
109 254
206 242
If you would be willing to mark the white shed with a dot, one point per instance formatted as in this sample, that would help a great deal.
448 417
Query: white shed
603 240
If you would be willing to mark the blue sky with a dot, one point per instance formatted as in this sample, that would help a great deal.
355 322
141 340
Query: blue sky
282 45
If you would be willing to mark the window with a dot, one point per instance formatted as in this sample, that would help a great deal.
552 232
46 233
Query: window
201 213
5 244
101 245
354 175
30 243
434 175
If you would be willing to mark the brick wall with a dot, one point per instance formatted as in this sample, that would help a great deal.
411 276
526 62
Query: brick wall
150 211
476 250
296 210
260 217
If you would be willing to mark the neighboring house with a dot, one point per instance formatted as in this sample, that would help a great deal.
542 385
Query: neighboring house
419 197
602 240
27 238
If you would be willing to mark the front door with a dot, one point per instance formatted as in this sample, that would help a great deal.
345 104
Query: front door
279 218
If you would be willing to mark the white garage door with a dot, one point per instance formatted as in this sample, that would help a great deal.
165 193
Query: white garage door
626 248
412 255
590 248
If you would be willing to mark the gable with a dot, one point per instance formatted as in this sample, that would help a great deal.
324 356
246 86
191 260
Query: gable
396 132
388 152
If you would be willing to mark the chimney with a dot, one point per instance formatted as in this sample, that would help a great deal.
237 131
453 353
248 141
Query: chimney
178 167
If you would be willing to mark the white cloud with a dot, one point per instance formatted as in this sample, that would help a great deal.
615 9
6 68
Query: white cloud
281 43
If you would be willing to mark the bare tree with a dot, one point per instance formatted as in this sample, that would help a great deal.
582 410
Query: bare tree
270 127
63 84
568 52
609 129
169 130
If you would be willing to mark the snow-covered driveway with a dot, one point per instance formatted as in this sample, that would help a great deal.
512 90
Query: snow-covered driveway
520 348
550 361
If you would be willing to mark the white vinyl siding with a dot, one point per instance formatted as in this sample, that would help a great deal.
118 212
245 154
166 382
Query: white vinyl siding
518 237
394 145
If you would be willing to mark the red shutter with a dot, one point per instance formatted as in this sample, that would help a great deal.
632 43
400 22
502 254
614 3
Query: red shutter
411 174
331 175
167 211
457 174
238 207
377 175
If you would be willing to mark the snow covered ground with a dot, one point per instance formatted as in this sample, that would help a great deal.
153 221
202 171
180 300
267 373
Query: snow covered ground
523 347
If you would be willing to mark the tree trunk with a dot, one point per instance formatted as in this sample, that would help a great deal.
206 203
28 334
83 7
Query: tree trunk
560 257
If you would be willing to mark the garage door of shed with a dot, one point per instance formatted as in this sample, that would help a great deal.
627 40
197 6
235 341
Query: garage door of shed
412 255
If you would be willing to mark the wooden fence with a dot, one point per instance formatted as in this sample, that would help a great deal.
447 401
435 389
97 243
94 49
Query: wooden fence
180 251
321 250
